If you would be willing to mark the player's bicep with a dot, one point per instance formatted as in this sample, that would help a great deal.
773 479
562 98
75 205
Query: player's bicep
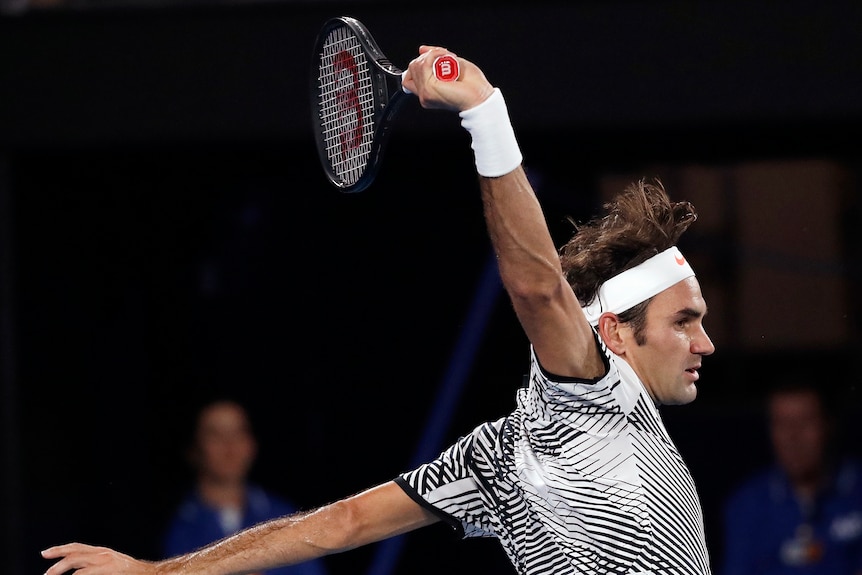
562 338
386 511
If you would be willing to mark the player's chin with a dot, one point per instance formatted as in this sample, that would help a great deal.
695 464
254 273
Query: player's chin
684 394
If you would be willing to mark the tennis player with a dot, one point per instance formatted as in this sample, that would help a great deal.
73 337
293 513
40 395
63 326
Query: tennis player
581 477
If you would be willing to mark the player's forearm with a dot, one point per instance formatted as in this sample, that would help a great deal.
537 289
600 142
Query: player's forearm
515 220
516 224
367 517
282 541
278 542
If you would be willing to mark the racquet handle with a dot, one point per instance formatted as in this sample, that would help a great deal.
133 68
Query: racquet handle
446 69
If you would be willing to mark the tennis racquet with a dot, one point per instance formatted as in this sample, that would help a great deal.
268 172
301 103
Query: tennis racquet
355 93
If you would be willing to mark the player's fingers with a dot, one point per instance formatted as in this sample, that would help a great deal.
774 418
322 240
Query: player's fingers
425 48
432 52
430 63
58 550
73 556
88 560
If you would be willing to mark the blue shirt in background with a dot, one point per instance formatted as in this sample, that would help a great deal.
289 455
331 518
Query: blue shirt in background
768 532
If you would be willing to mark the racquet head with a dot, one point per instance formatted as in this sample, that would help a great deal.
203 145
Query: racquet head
355 91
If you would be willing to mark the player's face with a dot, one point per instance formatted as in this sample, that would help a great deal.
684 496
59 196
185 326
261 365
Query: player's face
675 343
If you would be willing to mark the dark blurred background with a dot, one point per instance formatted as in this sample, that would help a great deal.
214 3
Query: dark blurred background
166 230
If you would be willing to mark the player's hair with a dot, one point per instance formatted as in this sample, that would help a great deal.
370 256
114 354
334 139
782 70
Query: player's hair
639 223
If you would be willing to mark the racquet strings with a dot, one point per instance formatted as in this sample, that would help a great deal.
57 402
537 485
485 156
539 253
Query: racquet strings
346 105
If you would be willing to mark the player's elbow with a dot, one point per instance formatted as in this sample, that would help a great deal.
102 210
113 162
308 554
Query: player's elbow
535 292
343 527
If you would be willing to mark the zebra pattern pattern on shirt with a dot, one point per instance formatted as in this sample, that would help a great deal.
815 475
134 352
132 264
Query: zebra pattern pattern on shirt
581 478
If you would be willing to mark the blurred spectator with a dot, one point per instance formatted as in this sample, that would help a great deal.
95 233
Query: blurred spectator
223 499
802 513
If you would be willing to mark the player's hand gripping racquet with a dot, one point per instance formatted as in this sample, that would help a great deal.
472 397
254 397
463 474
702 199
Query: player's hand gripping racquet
355 93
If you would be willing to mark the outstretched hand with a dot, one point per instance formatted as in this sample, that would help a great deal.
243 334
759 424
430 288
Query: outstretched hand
469 90
84 559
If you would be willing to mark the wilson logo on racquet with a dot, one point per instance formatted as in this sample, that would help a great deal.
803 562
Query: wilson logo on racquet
355 92
349 109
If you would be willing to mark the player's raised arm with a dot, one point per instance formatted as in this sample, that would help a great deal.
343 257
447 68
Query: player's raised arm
528 260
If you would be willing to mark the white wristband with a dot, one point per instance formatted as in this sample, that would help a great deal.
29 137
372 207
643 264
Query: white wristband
494 145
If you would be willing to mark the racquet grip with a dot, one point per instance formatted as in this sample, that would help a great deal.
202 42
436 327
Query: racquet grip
446 69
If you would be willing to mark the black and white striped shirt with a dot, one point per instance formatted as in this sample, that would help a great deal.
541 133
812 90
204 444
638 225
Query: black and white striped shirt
581 478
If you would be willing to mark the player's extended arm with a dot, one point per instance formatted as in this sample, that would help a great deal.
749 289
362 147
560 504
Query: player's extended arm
375 514
528 260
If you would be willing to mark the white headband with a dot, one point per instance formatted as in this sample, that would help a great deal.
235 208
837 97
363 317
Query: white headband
633 286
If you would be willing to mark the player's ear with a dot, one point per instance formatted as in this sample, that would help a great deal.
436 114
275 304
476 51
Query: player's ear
609 329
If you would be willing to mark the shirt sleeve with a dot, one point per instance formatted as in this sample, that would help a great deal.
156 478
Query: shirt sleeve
453 487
